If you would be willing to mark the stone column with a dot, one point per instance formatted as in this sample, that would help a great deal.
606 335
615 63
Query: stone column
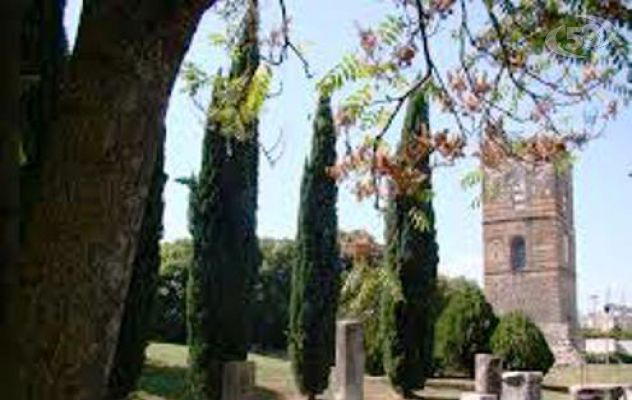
488 374
522 386
349 369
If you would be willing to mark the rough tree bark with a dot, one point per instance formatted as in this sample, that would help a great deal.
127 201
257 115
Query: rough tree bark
11 12
76 262
138 317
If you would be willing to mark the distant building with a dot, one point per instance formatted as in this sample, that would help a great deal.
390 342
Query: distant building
612 316
529 249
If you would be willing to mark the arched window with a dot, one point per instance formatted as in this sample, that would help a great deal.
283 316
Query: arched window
518 253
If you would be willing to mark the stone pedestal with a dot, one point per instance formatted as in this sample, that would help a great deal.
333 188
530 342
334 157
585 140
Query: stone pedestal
248 376
478 396
522 386
600 392
349 370
488 374
238 379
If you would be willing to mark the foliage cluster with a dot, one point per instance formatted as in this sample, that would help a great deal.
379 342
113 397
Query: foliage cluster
521 344
464 328
407 319
360 297
176 258
510 72
271 295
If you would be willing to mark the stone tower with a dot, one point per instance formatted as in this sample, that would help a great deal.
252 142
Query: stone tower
529 247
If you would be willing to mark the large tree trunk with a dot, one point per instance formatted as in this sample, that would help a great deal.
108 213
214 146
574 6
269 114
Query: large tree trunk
10 21
78 251
138 318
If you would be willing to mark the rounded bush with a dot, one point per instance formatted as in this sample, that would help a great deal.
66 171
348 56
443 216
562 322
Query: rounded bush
521 344
463 329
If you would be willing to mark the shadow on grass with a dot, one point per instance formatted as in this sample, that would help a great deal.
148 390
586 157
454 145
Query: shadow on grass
170 383
261 393
166 382
278 354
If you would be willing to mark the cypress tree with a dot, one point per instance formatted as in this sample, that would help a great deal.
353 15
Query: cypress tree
44 56
412 258
315 277
137 321
222 218
34 53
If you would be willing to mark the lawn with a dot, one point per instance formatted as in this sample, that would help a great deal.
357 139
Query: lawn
164 378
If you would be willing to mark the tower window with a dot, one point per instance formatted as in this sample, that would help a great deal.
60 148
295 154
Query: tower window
518 253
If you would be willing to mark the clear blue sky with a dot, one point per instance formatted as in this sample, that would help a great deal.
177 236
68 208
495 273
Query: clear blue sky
603 191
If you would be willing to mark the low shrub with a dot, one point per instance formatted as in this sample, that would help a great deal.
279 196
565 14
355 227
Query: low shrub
521 344
464 328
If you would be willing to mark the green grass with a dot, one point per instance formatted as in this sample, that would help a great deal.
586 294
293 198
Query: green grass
592 373
165 375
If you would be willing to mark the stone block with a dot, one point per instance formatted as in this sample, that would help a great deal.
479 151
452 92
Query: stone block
238 379
488 374
349 370
599 392
521 386
248 376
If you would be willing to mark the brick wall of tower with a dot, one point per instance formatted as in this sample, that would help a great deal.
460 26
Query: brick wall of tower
535 203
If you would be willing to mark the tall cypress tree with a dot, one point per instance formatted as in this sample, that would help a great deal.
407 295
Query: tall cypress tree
222 218
141 296
412 258
34 52
315 275
44 56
